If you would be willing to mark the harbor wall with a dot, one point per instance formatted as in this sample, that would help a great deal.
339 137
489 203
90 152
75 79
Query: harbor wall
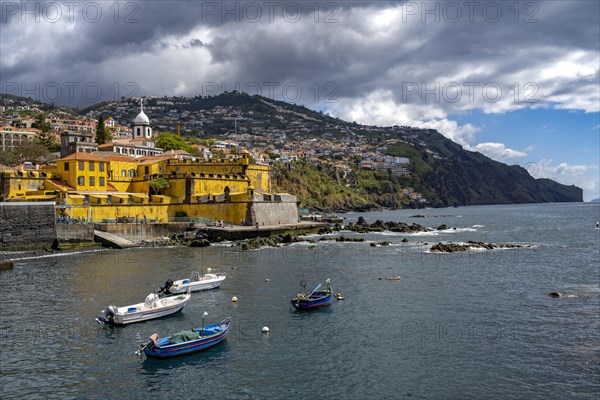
27 223
142 231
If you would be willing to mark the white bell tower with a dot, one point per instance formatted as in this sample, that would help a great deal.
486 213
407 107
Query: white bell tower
141 124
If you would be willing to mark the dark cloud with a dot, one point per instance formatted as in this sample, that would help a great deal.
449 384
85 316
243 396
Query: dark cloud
198 43
357 60
360 47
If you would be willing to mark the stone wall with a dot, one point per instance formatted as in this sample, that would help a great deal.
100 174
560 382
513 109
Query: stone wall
272 213
30 224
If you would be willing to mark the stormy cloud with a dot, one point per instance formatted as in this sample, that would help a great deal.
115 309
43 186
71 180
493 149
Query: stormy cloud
422 61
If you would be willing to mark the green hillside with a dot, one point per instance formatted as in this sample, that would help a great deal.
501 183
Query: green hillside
321 187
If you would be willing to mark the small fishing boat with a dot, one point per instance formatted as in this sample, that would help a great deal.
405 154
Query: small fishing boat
319 297
152 307
195 283
186 342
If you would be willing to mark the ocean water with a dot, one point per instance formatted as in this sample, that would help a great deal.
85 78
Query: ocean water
474 325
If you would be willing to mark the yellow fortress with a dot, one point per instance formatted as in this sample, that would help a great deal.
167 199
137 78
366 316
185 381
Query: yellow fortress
107 187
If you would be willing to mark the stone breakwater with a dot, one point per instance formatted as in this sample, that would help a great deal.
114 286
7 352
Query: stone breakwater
362 226
458 247
278 240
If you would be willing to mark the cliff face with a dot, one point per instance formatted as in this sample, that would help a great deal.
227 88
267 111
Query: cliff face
460 177
470 181
441 170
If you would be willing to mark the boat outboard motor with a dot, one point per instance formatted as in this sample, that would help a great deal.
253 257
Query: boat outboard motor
165 289
107 315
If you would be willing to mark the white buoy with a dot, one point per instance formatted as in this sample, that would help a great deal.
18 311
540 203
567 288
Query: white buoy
267 280
265 329
234 299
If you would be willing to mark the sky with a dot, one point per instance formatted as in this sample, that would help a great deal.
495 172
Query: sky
518 81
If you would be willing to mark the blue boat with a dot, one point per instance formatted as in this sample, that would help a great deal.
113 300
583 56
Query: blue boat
186 342
317 298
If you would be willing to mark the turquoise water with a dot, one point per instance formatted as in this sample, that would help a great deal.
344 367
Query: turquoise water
472 325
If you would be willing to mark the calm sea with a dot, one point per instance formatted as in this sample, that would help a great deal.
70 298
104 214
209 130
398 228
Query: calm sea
475 325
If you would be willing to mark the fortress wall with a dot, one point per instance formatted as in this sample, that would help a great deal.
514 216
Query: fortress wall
275 213
263 212
231 212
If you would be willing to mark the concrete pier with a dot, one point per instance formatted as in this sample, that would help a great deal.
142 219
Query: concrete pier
110 240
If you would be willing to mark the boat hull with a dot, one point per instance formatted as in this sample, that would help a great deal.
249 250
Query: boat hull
130 318
193 346
313 302
142 311
195 286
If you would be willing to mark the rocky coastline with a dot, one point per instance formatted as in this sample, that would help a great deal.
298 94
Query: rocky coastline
362 226
457 247
200 238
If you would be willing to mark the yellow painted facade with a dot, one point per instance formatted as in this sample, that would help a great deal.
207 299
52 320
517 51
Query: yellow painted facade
102 188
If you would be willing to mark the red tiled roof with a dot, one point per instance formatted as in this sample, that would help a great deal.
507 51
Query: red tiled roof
110 156
82 157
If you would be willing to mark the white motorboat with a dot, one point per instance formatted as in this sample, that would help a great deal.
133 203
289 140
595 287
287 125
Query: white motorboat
195 283
152 307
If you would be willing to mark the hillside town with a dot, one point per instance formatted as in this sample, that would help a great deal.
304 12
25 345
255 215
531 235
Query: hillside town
268 133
